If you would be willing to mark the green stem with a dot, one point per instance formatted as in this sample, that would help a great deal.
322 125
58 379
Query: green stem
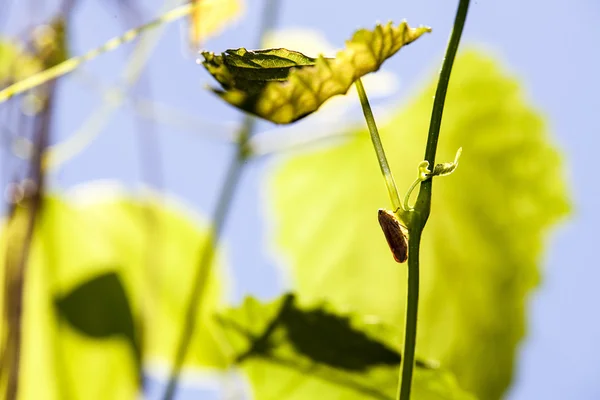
224 202
412 308
207 253
423 205
383 164
440 93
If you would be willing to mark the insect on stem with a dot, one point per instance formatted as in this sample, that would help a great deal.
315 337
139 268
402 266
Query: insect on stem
394 234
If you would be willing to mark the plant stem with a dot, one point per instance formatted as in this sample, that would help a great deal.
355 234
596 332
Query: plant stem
412 308
440 93
383 164
17 263
224 201
423 205
207 253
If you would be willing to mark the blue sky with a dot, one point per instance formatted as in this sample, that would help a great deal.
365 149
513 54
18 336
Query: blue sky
551 45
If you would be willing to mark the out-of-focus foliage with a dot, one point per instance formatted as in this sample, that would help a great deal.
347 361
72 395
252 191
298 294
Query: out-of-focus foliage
99 308
49 48
211 16
291 351
56 61
483 242
284 86
15 62
50 42
114 255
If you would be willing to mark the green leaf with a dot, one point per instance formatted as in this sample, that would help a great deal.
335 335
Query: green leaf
79 248
99 308
314 352
284 86
250 71
483 242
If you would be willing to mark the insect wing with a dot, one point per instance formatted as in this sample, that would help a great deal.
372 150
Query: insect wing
394 235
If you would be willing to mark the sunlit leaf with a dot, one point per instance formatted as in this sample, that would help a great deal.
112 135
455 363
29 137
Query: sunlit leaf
294 351
209 17
482 245
79 247
284 86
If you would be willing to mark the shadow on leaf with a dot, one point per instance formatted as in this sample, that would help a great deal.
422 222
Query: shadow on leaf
315 351
320 335
99 308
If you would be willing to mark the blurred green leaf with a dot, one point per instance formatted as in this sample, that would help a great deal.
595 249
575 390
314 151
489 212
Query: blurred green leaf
48 47
483 241
293 351
50 42
210 17
284 86
99 308
15 62
79 248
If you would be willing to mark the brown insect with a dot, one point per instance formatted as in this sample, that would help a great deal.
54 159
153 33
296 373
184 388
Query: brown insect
394 234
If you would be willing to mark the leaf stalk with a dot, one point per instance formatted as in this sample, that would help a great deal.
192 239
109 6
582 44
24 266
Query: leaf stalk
381 158
423 205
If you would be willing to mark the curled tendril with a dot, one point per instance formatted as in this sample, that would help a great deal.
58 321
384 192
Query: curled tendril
425 173
447 168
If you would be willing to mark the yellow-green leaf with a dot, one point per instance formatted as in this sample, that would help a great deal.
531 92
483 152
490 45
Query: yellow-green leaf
209 17
287 86
297 352
50 42
15 62
144 253
482 245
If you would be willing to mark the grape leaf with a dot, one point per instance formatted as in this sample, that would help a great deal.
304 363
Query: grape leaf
284 86
152 247
484 239
250 71
308 352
